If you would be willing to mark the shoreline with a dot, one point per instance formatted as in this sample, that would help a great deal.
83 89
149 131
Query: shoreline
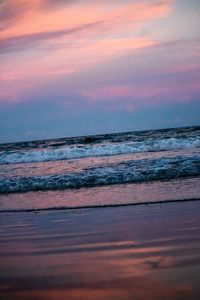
65 208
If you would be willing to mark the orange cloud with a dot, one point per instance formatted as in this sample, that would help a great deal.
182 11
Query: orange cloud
30 19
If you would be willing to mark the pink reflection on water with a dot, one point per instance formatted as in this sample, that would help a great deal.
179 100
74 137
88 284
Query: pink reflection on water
114 253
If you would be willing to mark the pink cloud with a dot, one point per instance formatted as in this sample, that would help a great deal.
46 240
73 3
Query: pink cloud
36 23
130 97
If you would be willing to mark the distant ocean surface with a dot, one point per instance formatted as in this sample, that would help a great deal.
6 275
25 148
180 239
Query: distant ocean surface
100 170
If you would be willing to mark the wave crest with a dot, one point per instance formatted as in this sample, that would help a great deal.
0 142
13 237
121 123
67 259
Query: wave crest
126 172
82 151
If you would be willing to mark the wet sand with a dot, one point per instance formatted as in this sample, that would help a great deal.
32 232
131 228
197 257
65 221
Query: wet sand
114 253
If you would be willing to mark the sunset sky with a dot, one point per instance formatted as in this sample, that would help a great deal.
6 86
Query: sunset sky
76 67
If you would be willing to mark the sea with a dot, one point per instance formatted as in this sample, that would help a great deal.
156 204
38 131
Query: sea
128 168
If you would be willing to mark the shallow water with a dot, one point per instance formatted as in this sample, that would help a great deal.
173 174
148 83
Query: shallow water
156 165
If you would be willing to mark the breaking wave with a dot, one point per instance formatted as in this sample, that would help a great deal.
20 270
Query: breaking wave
131 171
92 150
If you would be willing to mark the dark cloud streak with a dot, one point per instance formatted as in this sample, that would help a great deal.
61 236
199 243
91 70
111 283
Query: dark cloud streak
11 12
20 43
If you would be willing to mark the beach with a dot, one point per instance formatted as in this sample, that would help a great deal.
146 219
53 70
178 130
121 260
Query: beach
117 253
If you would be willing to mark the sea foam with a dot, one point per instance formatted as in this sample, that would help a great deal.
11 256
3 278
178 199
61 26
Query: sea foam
94 150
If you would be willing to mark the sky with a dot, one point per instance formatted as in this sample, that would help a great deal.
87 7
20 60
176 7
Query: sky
77 67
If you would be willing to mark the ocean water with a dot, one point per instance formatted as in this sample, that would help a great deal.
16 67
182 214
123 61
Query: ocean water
111 169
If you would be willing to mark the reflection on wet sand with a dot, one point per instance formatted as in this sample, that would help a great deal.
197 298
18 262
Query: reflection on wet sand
147 252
